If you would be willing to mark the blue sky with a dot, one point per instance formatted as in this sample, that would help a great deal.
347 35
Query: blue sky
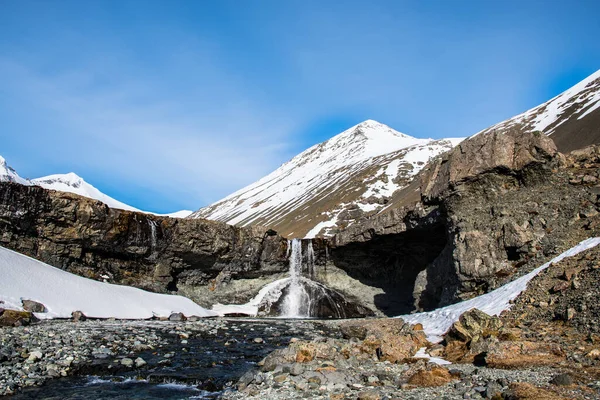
174 104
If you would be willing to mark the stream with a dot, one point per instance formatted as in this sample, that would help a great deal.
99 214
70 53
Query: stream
209 360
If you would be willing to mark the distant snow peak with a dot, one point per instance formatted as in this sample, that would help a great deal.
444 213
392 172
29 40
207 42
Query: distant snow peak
73 183
8 174
71 179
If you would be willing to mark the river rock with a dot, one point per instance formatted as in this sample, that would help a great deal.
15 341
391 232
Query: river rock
140 362
127 362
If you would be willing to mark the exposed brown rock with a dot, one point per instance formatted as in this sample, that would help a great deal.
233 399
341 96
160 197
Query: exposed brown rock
474 323
436 376
16 318
388 339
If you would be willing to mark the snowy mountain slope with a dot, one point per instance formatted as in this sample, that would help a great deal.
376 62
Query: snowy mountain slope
572 119
62 293
72 183
8 174
330 184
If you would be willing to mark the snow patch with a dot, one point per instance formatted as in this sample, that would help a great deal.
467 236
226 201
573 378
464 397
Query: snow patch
62 293
422 353
437 322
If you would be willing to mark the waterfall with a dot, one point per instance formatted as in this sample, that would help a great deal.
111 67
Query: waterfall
294 304
153 240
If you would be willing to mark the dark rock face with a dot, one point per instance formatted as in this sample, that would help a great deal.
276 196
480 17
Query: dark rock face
493 207
160 254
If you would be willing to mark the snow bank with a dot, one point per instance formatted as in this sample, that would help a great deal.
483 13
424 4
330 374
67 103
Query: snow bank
22 277
436 323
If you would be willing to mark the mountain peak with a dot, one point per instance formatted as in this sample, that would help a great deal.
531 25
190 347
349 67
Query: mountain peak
375 130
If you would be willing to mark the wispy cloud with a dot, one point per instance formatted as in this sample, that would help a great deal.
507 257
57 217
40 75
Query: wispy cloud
131 133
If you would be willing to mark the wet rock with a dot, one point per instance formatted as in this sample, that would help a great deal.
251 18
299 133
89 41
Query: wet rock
127 362
140 362
33 306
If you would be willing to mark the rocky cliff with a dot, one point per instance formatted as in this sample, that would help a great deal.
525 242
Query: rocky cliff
476 217
492 208
205 260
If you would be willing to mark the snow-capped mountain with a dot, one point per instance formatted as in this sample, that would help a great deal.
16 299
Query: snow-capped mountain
8 174
72 183
330 184
572 119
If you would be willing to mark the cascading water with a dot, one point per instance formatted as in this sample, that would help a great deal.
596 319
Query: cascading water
153 240
303 297
296 296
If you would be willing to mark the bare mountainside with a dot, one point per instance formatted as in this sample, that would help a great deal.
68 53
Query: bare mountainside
332 184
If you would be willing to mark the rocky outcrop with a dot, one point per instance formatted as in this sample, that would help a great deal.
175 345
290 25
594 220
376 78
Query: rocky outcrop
205 260
504 152
491 209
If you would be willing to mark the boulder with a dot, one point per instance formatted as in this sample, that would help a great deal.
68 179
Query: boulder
33 306
177 317
473 323
78 316
436 376
16 318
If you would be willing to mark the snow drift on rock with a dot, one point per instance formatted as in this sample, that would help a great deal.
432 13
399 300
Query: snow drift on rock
22 277
437 322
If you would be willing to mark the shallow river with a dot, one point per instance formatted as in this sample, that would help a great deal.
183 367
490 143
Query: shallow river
201 367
